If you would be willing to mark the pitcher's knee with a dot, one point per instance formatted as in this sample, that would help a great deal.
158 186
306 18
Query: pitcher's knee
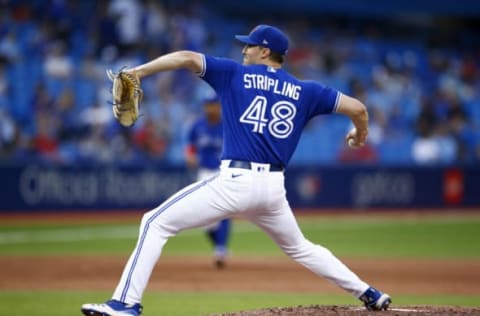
147 218
304 248
297 248
158 223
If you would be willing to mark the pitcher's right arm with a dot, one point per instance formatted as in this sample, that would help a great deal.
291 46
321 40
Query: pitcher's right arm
357 112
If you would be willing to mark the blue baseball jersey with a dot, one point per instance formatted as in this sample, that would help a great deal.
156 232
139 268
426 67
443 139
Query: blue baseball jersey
264 109
207 140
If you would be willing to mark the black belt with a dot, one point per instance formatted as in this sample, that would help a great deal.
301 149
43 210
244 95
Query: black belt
247 165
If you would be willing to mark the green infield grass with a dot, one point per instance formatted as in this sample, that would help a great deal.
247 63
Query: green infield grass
54 303
368 236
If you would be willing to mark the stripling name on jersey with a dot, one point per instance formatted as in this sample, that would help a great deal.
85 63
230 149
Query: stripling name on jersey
263 82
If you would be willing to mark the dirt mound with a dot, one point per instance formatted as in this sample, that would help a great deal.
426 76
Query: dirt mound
358 311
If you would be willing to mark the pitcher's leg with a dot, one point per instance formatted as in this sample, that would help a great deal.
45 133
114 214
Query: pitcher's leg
139 267
282 226
222 234
189 208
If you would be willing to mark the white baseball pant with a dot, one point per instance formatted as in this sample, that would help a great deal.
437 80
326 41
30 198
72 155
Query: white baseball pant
255 194
205 174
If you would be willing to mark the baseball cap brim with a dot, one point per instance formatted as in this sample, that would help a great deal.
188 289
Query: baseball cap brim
246 39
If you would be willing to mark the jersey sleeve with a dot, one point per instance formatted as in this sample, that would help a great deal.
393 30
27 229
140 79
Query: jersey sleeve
324 99
217 71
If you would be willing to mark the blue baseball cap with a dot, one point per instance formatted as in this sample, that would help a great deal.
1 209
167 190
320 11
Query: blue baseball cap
266 36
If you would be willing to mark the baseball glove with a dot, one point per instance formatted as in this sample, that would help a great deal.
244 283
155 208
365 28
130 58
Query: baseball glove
127 95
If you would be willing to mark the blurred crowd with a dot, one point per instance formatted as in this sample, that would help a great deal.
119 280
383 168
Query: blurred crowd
423 94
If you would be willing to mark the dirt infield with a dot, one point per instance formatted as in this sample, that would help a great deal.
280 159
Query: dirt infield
396 276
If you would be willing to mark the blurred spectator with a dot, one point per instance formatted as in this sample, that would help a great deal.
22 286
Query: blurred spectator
397 123
9 50
60 13
463 134
45 141
42 100
97 148
8 134
67 116
425 148
151 141
96 115
128 17
377 125
122 150
4 87
156 23
422 92
106 34
57 64
448 147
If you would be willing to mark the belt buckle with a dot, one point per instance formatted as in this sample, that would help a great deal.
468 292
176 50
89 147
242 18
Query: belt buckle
240 164
261 169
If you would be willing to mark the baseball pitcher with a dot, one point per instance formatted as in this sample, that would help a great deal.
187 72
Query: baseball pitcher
264 110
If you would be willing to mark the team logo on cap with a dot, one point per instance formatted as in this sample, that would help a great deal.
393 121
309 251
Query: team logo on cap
265 42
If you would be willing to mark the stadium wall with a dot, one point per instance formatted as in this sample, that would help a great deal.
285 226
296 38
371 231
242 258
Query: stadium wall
41 188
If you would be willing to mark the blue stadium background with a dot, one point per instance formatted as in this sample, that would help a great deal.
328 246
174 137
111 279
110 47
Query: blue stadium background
414 64
415 67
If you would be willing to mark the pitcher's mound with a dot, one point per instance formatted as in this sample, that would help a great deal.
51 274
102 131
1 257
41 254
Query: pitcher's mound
318 310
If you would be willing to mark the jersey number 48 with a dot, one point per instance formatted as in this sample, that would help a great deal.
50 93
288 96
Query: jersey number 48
282 113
